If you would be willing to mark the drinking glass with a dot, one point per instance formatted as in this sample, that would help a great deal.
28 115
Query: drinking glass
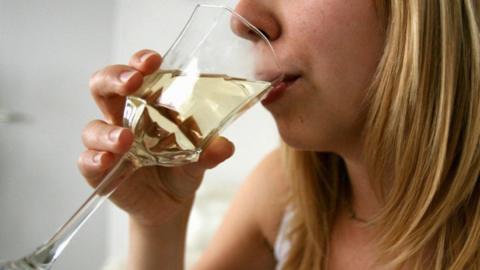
218 67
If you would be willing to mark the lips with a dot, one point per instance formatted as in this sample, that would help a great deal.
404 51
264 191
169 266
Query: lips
290 78
279 89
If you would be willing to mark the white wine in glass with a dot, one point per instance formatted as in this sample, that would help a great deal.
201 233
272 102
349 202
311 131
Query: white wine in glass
175 115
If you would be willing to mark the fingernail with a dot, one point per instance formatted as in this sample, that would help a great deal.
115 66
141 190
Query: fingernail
114 134
146 56
126 75
97 158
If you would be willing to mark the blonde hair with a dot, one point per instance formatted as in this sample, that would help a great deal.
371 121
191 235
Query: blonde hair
422 147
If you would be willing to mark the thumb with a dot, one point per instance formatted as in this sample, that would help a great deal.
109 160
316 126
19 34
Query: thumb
218 151
192 174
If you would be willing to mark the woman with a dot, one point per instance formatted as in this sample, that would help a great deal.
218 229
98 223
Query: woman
381 153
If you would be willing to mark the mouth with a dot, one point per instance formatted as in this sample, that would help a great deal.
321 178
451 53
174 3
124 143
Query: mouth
289 79
279 89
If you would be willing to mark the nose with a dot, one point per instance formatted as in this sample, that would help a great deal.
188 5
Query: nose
257 13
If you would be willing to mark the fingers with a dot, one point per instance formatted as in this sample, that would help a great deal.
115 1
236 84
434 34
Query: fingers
110 85
122 80
94 165
115 80
146 61
101 136
105 144
218 151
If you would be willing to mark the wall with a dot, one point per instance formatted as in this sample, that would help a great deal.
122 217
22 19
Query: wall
48 50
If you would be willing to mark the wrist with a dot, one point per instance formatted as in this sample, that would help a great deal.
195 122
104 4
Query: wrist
159 245
163 216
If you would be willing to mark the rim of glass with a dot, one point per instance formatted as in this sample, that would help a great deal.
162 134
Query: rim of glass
244 21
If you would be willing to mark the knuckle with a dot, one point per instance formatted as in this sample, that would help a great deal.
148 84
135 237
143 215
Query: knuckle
103 78
92 127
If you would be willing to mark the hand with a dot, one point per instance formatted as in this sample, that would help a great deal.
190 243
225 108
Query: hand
153 195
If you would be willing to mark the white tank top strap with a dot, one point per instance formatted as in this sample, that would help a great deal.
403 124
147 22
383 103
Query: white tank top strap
282 243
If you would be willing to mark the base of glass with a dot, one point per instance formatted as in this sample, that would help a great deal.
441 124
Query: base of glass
21 264
178 158
166 158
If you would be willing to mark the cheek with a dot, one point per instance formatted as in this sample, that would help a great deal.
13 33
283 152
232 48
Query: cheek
339 43
338 46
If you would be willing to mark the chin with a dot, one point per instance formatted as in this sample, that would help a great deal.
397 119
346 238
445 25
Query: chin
299 137
295 138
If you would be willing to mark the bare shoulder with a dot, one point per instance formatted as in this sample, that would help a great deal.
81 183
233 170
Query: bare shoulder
246 236
268 182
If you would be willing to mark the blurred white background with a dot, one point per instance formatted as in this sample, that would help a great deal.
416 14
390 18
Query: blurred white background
48 50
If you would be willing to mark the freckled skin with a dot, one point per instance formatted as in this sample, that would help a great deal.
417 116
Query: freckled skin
335 46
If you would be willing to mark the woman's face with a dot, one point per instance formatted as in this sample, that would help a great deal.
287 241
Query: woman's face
333 46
